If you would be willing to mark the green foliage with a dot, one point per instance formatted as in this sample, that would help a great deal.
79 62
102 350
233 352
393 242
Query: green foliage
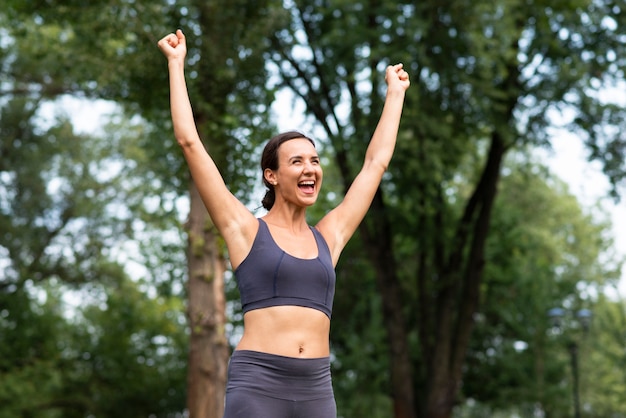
603 360
134 354
486 78
29 352
361 368
66 225
82 213
103 202
124 356
544 252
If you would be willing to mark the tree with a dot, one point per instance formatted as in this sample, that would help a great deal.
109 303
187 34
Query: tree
603 381
63 219
228 64
226 72
485 80
543 250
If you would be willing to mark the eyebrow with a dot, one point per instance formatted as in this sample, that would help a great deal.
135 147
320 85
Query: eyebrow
299 156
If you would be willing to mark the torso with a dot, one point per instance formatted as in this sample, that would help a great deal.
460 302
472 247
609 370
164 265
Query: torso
289 330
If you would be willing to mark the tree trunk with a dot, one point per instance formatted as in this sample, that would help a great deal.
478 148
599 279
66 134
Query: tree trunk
208 347
460 298
376 233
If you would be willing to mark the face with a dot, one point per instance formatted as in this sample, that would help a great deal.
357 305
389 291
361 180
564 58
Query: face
298 178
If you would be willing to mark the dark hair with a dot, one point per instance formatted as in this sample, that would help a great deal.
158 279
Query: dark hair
269 159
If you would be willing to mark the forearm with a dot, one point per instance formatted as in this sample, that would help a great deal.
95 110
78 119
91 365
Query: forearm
382 144
182 113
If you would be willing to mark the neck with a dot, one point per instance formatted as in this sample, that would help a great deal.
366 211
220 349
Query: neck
287 217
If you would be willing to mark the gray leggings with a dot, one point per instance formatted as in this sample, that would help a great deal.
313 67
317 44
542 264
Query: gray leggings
262 385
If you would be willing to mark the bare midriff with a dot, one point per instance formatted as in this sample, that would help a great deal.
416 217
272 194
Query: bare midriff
291 331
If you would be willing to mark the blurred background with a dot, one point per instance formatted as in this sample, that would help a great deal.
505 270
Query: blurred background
487 280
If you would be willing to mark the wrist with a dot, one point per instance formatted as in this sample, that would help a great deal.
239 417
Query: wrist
176 63
395 93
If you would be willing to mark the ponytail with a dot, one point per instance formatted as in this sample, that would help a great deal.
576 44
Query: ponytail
269 198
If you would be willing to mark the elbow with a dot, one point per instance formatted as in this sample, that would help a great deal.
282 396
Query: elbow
377 165
184 141
379 159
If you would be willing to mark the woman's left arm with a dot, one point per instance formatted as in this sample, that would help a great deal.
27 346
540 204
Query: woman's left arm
339 224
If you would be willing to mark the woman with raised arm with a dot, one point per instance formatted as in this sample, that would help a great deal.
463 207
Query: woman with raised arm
284 267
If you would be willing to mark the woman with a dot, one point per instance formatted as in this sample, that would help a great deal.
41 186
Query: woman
284 267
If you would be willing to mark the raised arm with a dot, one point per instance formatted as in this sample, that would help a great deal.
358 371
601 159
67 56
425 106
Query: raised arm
233 220
340 223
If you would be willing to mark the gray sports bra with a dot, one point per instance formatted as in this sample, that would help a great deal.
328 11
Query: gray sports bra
268 276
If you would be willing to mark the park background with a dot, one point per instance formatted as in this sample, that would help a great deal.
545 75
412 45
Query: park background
501 203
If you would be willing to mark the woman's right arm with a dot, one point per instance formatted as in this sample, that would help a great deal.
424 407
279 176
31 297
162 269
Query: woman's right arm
234 221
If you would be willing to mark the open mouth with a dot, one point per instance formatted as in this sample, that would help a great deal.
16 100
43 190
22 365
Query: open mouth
307 186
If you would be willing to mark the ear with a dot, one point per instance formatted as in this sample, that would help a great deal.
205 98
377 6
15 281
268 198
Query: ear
269 176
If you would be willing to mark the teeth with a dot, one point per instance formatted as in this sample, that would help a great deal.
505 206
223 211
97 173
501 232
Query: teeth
307 183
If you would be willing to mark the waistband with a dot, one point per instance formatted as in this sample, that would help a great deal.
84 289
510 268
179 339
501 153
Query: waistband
281 377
